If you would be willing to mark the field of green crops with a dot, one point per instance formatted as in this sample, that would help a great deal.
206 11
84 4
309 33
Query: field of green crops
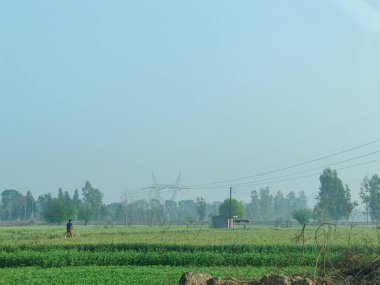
159 255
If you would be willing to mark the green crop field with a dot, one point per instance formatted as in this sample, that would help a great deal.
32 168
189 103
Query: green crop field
159 255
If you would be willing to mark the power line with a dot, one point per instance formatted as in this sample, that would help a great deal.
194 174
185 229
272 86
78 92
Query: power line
287 167
255 183
295 173
145 190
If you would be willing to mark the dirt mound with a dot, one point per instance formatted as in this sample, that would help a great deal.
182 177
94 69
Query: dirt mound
358 272
193 278
369 275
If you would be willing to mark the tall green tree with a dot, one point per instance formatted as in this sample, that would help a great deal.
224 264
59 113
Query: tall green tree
333 200
253 208
76 198
77 202
201 208
41 204
266 204
370 195
93 199
57 211
187 210
66 197
292 200
282 207
60 194
30 205
237 208
348 204
13 205
60 209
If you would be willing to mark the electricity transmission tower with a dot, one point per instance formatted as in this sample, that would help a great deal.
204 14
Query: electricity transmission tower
157 188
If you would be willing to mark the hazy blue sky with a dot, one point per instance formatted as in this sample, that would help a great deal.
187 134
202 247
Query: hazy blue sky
108 91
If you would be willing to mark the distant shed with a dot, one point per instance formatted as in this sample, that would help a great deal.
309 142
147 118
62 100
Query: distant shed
222 222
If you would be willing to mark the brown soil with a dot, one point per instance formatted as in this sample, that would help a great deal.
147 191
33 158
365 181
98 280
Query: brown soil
368 274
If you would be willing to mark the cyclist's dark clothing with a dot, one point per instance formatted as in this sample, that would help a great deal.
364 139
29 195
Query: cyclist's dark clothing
69 226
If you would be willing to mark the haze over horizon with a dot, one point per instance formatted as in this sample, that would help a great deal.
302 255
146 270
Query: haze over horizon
217 90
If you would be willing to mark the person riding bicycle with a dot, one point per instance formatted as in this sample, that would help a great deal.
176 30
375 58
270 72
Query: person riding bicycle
69 229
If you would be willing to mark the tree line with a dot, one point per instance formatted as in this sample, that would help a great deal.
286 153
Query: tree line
333 203
15 206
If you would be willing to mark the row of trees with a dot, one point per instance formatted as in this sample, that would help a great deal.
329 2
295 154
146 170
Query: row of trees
265 207
333 204
15 206
88 205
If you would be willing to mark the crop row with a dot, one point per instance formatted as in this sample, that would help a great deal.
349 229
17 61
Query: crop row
145 247
61 258
151 275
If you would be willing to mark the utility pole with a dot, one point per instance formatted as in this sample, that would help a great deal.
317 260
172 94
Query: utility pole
25 208
230 218
125 204
230 202
131 212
